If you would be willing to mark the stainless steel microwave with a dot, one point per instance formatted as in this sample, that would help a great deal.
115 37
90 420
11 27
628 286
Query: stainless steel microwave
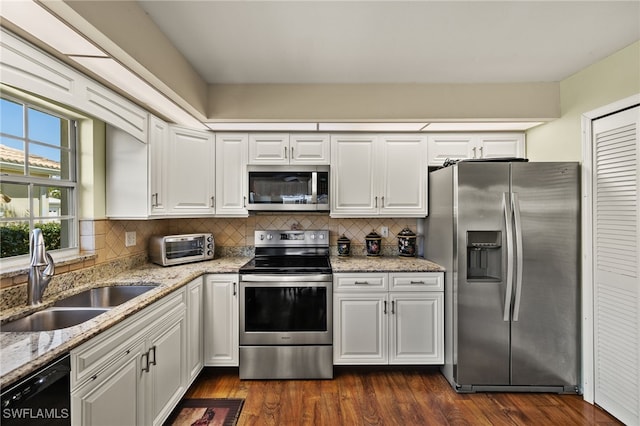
170 250
289 188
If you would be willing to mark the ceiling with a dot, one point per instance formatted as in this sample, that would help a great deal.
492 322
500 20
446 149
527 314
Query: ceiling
230 42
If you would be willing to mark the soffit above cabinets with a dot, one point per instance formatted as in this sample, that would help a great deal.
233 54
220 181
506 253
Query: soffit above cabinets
451 126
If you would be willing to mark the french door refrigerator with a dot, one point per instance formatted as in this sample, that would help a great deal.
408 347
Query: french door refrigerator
508 234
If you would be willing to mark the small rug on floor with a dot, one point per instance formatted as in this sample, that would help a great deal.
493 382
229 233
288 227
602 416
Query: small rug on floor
206 412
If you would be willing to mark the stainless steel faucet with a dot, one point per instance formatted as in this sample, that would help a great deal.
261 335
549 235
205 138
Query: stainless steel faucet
38 278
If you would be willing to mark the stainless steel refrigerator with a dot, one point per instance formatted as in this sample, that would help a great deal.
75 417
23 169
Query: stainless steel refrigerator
508 234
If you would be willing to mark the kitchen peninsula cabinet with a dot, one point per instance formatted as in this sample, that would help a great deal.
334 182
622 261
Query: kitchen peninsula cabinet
134 373
388 318
285 148
459 146
379 175
221 323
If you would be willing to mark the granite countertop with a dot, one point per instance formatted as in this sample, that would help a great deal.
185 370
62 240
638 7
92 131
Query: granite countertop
24 352
383 264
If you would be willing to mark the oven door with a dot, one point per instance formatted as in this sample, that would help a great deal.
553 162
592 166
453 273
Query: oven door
286 309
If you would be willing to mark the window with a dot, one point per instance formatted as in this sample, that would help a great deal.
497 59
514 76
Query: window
37 177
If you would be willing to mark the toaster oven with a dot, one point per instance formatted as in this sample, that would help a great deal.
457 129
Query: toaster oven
170 250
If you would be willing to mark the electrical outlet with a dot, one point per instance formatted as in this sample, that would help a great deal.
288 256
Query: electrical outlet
384 231
130 239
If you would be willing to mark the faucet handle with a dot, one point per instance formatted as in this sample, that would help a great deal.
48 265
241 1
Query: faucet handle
50 270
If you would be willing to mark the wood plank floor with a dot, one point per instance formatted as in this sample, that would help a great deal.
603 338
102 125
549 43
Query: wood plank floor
367 396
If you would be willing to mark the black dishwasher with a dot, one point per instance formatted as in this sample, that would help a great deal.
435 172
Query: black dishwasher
42 398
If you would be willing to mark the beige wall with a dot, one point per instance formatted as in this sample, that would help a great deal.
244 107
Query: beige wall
382 102
614 78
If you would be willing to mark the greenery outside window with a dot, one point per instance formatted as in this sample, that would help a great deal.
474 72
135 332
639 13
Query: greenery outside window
37 177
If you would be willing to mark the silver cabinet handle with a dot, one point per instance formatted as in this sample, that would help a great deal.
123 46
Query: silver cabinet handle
153 351
361 282
292 152
393 307
376 202
145 356
234 289
474 151
213 202
481 154
384 310
244 202
382 202
416 282
285 152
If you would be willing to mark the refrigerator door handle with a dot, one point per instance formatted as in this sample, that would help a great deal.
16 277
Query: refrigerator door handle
508 219
515 205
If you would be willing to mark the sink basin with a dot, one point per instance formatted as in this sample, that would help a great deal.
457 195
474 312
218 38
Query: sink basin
104 297
52 319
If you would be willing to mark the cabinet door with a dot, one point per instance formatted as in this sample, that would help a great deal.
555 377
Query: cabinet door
127 180
158 172
231 175
416 333
195 345
221 340
166 379
354 175
191 165
360 328
269 148
403 167
309 149
452 146
501 145
113 396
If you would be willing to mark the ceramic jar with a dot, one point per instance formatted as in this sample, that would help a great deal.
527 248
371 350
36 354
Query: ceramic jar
374 244
407 243
344 246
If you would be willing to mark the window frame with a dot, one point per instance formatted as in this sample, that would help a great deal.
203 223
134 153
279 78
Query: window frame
72 183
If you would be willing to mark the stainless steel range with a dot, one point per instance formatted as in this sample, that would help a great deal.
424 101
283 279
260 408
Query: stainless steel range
286 307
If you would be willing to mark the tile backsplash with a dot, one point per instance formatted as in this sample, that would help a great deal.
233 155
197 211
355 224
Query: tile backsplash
105 239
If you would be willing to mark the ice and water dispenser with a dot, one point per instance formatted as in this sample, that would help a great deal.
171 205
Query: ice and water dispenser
484 254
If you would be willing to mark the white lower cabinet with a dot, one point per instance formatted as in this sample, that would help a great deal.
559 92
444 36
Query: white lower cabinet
134 373
388 318
221 322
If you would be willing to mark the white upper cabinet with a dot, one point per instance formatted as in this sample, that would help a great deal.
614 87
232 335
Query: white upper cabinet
190 168
231 174
285 148
460 146
158 147
378 175
309 148
403 167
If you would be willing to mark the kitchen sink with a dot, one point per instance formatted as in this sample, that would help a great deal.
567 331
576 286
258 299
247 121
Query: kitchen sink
53 319
104 297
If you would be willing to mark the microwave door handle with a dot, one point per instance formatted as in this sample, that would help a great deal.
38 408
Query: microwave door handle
314 187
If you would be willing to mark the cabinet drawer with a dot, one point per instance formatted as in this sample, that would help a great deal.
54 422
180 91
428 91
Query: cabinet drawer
407 281
360 282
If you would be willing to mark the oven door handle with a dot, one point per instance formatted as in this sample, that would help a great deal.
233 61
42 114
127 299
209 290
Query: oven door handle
283 278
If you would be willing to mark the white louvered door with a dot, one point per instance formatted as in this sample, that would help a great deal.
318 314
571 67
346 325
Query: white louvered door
616 259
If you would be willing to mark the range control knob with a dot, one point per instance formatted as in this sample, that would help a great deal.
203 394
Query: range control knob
312 236
269 237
